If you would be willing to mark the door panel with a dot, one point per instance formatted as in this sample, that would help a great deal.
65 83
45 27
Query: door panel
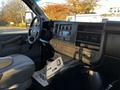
10 44
17 44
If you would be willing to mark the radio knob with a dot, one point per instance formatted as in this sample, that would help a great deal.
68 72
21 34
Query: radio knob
92 55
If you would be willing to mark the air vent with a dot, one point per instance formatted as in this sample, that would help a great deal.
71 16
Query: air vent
89 34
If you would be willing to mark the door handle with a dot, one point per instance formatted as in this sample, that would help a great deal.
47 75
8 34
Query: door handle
1 75
0 46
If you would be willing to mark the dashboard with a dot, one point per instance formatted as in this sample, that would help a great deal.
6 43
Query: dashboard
87 42
77 39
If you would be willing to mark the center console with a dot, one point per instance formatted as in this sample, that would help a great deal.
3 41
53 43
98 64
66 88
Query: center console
89 38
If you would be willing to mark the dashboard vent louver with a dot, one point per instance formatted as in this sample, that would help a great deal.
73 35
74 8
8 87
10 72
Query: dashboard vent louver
89 34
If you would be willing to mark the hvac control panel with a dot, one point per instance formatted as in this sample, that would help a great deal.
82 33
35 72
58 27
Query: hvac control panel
65 31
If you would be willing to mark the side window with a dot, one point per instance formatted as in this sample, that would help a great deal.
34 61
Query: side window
14 16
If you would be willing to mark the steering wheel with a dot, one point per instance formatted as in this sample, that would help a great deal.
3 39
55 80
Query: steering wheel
34 30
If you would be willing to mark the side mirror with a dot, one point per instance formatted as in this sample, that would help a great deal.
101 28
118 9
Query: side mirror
28 17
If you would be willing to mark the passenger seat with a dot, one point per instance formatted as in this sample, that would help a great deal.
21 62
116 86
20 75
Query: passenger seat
16 72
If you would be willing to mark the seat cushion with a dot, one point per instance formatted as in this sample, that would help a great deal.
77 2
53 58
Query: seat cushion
17 72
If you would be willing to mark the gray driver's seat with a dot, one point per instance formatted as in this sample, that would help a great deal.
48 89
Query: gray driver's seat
16 72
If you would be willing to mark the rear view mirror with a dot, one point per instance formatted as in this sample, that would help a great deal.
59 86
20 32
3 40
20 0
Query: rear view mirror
28 17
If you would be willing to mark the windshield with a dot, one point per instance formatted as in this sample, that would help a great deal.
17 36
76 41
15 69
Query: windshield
81 10
15 13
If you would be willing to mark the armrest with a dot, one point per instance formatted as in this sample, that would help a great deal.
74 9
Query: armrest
5 61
